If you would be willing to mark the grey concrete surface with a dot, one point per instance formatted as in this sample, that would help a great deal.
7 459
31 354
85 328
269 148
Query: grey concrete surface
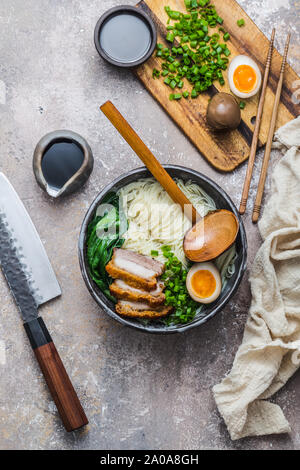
139 391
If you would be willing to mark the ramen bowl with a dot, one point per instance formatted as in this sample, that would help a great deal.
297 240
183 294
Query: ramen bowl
222 201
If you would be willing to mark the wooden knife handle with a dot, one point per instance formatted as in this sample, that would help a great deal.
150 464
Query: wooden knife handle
60 386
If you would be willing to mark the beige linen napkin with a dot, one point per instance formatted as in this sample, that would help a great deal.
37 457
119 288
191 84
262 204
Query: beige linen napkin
270 351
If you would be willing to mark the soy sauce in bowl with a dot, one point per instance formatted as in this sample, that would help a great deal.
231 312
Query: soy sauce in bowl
60 162
125 36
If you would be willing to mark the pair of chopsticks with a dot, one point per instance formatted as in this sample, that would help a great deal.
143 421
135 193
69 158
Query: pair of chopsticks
263 175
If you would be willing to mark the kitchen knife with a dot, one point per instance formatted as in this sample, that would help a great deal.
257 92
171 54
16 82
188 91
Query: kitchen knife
29 274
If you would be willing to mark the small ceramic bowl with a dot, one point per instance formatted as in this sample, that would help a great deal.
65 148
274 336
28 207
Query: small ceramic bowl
222 201
79 178
121 10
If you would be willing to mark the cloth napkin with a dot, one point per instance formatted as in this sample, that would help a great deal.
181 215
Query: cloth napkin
270 351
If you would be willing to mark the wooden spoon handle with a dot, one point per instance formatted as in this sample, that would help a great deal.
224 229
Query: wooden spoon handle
149 160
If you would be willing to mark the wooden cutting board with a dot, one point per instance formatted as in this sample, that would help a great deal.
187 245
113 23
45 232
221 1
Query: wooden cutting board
225 150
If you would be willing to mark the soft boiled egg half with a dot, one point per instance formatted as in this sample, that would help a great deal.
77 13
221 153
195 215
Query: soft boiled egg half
244 77
204 282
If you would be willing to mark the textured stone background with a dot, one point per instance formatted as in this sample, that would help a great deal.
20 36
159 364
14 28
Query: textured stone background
139 392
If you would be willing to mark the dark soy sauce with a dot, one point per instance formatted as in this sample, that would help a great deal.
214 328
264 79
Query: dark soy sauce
125 37
60 162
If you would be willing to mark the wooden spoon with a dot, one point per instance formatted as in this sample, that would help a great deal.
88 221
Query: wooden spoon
212 234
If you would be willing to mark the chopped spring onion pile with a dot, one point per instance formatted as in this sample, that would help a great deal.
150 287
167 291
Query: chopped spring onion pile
194 53
176 292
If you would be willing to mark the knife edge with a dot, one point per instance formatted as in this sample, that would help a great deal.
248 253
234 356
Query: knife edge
15 272
31 251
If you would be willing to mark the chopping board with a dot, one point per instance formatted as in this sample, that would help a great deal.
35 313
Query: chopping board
225 150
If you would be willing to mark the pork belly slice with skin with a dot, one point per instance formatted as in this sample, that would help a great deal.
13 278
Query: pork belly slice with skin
137 264
122 290
141 310
131 279
137 270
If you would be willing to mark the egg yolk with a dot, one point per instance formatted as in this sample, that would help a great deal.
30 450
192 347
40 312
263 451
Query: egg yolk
244 78
203 283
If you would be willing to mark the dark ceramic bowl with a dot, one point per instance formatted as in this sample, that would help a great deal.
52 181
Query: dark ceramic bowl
222 201
119 11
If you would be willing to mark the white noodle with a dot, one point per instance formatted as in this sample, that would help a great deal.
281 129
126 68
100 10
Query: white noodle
155 220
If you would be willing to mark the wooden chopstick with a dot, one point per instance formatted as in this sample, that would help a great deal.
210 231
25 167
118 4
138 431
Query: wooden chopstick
249 172
263 175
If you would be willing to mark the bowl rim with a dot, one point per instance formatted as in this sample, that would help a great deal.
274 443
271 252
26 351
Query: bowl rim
138 326
113 11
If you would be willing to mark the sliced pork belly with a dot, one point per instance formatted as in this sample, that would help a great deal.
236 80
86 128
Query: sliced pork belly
122 290
141 310
137 270
139 265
